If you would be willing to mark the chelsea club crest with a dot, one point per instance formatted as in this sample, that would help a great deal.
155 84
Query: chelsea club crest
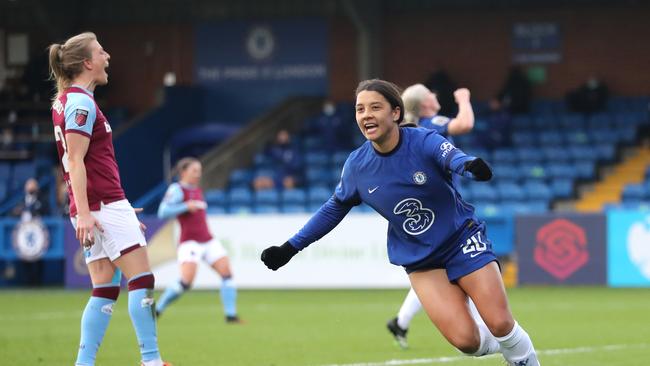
419 178
31 240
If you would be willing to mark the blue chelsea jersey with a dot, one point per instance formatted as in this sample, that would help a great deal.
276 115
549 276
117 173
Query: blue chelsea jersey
410 187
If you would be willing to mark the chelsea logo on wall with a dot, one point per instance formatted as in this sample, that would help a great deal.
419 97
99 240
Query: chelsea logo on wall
30 240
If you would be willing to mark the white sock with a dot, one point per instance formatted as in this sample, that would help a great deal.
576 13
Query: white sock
517 347
409 308
489 343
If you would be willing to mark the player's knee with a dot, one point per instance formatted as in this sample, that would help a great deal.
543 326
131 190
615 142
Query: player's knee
185 285
143 280
107 292
500 326
467 343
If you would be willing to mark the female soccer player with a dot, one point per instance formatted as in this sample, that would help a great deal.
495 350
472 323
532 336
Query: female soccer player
421 108
106 225
184 200
403 174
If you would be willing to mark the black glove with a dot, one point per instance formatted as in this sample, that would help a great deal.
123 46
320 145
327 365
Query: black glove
479 169
275 257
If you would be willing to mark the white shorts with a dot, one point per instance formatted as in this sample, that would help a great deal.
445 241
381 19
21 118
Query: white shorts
121 231
192 251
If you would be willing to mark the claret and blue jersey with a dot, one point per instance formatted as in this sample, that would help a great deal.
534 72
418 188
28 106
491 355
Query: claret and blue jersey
410 187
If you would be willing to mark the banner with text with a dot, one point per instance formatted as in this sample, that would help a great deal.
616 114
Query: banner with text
353 255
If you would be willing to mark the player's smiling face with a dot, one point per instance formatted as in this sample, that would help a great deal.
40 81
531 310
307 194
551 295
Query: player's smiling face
375 117
98 63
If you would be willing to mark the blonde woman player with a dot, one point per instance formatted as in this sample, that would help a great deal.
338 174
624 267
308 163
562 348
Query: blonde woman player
105 222
184 200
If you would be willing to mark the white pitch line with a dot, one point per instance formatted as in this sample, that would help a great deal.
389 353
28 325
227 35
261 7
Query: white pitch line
448 359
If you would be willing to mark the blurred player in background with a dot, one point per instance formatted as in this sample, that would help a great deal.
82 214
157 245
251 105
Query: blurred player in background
105 223
403 174
421 109
184 200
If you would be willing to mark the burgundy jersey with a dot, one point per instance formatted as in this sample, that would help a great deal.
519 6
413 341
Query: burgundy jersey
75 111
194 225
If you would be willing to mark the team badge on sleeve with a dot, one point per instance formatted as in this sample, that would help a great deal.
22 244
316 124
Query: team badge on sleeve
81 116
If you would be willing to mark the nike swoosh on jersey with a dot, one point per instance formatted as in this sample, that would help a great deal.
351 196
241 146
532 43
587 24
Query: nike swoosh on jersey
372 190
474 255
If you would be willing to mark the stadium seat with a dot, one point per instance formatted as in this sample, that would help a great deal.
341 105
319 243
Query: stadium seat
606 152
504 155
577 137
562 187
523 138
561 170
506 172
582 153
241 178
572 121
21 172
534 171
239 209
293 208
317 158
538 191
262 161
296 196
216 210
555 154
599 120
510 191
215 197
240 196
3 191
318 195
551 138
634 192
586 170
265 209
316 174
267 197
483 192
339 158
529 154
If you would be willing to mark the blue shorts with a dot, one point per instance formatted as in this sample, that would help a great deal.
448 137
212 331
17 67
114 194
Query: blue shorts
469 251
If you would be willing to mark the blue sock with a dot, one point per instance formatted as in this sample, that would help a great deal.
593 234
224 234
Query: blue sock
229 297
141 310
171 294
94 322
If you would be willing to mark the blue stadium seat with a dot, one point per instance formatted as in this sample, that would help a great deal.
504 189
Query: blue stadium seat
522 122
586 170
240 196
267 197
538 191
21 172
577 137
339 158
607 136
239 209
545 121
216 210
317 158
506 172
312 143
318 195
555 154
561 170
510 192
483 192
504 155
315 174
606 152
529 154
562 187
583 153
488 209
241 178
262 161
524 138
534 171
296 196
572 121
266 209
634 192
293 209
551 138
215 197
3 191
599 120
627 134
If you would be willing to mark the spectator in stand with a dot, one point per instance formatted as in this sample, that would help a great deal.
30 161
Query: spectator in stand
33 205
515 94
287 162
440 83
590 97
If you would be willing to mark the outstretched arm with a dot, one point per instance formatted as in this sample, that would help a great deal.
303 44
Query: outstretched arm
324 220
464 121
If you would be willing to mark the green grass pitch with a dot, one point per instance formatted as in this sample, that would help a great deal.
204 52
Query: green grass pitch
569 326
